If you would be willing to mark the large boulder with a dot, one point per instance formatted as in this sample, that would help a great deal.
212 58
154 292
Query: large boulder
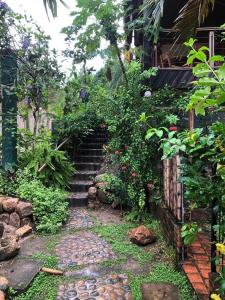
92 192
14 220
24 209
9 205
142 236
4 218
9 247
159 291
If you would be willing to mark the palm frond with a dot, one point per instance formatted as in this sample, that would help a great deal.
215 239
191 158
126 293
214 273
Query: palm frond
153 13
191 16
52 5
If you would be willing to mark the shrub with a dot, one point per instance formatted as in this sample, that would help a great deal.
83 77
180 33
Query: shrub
49 205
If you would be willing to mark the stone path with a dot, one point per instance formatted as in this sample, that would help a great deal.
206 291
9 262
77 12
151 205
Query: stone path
114 287
79 218
82 249
86 249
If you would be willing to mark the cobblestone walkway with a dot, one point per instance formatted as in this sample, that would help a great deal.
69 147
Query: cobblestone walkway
114 287
79 218
84 248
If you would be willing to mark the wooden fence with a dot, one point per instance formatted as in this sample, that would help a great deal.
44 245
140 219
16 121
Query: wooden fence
173 191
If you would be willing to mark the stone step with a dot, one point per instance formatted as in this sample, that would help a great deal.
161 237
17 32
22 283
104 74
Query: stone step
94 139
90 166
80 185
88 158
85 175
94 152
78 199
91 146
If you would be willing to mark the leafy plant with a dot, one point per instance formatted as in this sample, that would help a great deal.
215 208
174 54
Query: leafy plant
49 204
46 162
189 233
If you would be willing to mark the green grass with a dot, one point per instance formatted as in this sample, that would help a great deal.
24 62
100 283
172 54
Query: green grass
44 287
116 235
162 273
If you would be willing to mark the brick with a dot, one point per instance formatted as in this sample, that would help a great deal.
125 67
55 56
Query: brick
205 274
200 288
194 278
203 265
201 257
197 250
190 268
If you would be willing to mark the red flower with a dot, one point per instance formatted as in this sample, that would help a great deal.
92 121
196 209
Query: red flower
173 128
134 174
126 147
124 168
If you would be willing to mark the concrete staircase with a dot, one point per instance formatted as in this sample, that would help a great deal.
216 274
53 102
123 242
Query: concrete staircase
87 159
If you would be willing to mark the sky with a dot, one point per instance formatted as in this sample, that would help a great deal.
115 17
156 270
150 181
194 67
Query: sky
36 9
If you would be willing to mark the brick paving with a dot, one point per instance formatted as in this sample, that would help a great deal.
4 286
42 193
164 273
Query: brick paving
197 266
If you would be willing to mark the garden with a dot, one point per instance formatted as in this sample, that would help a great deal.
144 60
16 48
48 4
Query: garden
109 188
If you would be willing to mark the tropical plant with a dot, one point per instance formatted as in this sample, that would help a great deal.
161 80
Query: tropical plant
53 6
191 16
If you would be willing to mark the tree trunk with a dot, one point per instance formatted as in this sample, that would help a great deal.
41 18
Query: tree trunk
121 62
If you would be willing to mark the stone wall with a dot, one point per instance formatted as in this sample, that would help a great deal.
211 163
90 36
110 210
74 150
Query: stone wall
14 214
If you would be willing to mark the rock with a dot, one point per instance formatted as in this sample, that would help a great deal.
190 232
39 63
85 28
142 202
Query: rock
9 205
102 197
159 291
2 295
26 221
2 228
4 218
92 192
24 209
142 236
9 230
23 231
2 199
14 220
4 283
9 247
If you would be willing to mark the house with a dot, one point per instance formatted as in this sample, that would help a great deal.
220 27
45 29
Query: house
170 58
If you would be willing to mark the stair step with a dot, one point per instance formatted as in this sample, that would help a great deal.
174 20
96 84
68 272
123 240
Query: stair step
88 158
91 146
80 185
78 199
85 175
94 139
94 152
90 166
